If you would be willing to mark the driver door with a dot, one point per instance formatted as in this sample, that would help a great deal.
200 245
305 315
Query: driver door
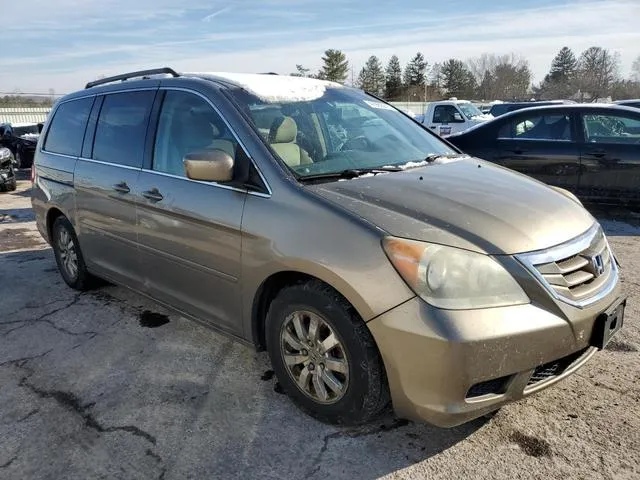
189 230
610 156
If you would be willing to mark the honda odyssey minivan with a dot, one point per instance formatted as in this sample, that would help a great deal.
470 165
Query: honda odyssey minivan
373 260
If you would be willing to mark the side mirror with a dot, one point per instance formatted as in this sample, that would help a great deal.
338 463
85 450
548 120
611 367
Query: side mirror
40 127
209 166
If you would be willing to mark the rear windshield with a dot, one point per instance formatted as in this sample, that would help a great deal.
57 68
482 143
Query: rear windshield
341 129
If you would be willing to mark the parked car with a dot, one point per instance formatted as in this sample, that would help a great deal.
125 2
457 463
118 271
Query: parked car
7 174
501 108
450 116
21 139
377 262
592 150
629 103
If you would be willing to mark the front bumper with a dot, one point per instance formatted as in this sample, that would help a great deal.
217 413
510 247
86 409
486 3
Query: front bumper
448 367
7 174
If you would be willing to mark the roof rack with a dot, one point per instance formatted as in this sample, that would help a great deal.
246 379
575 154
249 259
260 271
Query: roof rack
127 76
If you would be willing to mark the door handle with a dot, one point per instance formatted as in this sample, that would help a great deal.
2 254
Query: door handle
433 127
597 153
154 195
121 187
517 151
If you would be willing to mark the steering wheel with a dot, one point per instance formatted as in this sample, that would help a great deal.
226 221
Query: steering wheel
356 143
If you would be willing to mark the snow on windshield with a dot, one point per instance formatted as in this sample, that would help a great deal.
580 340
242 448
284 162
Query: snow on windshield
469 110
276 88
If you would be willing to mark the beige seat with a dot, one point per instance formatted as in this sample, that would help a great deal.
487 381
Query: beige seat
282 137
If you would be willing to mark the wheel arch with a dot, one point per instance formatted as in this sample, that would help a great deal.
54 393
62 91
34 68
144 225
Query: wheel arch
269 289
52 214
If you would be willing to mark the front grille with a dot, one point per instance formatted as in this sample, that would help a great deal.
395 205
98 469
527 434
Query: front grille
554 368
577 271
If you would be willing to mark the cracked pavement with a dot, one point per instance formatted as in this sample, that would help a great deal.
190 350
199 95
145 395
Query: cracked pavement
86 391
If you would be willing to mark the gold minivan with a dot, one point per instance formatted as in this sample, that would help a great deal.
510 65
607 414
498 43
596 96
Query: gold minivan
373 260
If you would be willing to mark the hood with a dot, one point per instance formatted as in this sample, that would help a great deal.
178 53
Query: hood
466 203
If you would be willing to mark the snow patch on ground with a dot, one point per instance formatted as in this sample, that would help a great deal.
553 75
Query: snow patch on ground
276 88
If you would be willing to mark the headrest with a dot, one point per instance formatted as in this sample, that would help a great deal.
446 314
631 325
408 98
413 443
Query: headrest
283 130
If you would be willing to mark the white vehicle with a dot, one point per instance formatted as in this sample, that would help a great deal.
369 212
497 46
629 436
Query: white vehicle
453 116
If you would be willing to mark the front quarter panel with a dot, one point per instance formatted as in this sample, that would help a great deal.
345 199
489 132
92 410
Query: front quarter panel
297 231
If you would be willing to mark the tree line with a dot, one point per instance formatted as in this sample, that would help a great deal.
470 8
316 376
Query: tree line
590 76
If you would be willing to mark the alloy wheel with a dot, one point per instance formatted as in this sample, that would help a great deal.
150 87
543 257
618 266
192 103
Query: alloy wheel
314 356
68 255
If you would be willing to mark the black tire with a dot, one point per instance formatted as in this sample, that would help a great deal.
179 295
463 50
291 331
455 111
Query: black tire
12 185
19 159
82 280
366 394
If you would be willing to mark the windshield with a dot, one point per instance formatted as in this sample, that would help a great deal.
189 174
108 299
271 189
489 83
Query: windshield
23 130
469 110
341 129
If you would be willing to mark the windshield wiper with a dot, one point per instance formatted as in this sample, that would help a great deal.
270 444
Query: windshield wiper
350 173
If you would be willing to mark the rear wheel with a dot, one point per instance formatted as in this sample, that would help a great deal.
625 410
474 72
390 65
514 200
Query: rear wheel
68 255
324 355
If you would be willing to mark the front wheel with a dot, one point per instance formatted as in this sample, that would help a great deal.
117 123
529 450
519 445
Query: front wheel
19 160
324 355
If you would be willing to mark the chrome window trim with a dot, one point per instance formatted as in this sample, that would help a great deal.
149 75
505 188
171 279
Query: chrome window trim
565 250
537 139
110 164
187 179
63 155
235 135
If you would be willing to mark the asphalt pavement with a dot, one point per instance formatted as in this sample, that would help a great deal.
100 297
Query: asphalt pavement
107 384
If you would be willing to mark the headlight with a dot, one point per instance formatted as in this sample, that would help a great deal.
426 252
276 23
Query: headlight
451 278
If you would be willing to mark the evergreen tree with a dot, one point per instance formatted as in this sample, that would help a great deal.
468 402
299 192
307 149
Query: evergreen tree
301 71
335 66
564 66
393 84
415 72
371 77
457 80
560 82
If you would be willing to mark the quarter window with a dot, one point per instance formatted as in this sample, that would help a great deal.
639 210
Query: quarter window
67 127
538 127
611 129
122 126
187 124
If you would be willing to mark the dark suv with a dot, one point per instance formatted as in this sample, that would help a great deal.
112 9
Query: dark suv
21 139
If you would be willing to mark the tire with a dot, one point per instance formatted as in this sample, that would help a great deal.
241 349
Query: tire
66 247
354 363
12 185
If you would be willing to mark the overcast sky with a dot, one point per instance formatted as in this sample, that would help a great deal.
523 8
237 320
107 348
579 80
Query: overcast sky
61 44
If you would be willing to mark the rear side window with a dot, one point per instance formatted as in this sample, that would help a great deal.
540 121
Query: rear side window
67 127
122 127
538 127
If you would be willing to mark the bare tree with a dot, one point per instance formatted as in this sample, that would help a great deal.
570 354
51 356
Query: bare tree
635 70
598 70
505 77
